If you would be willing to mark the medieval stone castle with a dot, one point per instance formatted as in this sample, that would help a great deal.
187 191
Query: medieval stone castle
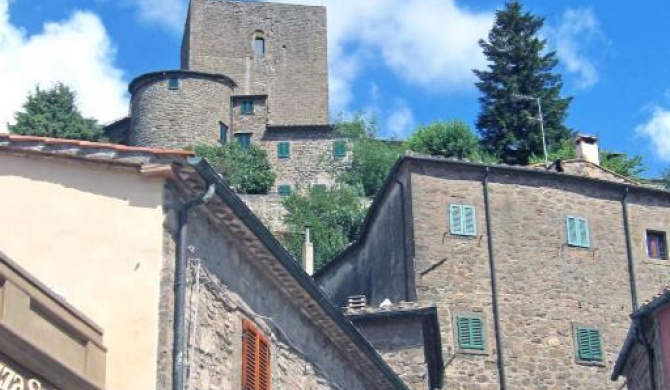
466 276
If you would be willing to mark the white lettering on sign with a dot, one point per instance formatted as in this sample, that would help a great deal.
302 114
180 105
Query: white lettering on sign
11 380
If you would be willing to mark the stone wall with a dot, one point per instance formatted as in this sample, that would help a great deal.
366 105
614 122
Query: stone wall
178 118
269 209
293 72
233 289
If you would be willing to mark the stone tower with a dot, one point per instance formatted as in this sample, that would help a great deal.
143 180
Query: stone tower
276 53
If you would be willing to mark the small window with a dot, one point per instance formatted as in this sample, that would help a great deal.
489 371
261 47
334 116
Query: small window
247 107
462 220
284 150
173 83
255 359
470 332
259 44
244 139
223 133
319 187
588 344
578 232
657 245
339 149
284 190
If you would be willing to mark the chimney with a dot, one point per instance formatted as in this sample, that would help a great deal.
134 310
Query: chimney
308 254
587 148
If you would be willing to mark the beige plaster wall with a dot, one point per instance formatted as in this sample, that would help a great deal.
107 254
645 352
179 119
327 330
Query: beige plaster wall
95 236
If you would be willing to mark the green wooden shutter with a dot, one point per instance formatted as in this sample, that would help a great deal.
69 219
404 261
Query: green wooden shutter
455 219
470 332
339 149
463 332
594 343
588 344
469 222
284 190
583 233
283 150
571 226
477 332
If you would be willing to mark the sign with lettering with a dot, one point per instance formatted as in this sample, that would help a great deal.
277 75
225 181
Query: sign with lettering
14 378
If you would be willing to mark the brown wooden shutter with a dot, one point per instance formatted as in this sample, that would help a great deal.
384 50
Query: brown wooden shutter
255 359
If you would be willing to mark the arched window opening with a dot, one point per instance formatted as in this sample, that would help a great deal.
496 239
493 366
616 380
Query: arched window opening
258 44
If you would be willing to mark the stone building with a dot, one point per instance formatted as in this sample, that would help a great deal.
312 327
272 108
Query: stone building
180 274
645 356
533 272
251 72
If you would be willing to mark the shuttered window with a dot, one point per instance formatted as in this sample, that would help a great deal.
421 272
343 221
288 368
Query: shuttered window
247 107
578 232
173 83
470 332
284 190
283 150
462 220
339 149
255 359
588 341
244 139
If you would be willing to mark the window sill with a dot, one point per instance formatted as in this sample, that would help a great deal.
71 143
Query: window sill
590 363
661 262
472 351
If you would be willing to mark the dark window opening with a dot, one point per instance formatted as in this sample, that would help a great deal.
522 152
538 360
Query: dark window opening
173 83
223 133
244 139
247 107
657 245
259 46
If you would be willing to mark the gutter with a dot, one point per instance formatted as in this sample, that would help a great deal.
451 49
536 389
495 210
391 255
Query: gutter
223 191
494 285
629 250
181 261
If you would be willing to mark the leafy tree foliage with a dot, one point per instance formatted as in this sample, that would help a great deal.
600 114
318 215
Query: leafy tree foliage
334 217
372 158
621 163
53 113
447 139
248 170
519 66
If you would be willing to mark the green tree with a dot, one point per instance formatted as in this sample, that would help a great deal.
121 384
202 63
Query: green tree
53 113
519 68
447 139
248 170
623 164
371 158
334 217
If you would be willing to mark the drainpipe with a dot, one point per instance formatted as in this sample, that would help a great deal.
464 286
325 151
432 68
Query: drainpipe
179 287
642 339
629 250
494 285
408 295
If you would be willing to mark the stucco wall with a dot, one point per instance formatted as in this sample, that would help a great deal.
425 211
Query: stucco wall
233 288
94 235
294 70
378 267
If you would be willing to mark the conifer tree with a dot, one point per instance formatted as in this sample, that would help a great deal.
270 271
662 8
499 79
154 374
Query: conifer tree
519 68
53 113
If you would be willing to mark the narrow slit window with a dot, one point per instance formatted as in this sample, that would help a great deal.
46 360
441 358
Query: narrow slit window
259 44
223 133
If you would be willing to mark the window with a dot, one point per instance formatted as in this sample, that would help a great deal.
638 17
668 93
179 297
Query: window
470 332
657 245
578 232
247 107
255 359
284 150
462 221
223 133
173 83
588 344
284 190
339 149
258 44
244 139
318 187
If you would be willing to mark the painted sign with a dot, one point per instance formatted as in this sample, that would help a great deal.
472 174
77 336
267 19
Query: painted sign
14 378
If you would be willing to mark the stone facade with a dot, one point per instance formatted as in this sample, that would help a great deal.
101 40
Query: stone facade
545 287
293 70
179 116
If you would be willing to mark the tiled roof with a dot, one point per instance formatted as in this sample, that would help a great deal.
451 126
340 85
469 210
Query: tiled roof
654 302
88 150
397 307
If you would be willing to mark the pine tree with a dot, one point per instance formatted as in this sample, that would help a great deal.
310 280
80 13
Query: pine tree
519 68
53 113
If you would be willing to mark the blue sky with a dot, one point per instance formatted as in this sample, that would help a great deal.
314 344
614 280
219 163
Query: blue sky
409 61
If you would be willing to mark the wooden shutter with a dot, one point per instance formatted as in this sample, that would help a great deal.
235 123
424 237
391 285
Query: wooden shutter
588 344
583 233
469 222
463 332
283 150
339 149
255 359
455 219
571 227
470 330
477 332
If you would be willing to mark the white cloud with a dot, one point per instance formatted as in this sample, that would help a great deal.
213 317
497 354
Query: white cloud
168 14
428 43
76 51
579 32
401 120
657 129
